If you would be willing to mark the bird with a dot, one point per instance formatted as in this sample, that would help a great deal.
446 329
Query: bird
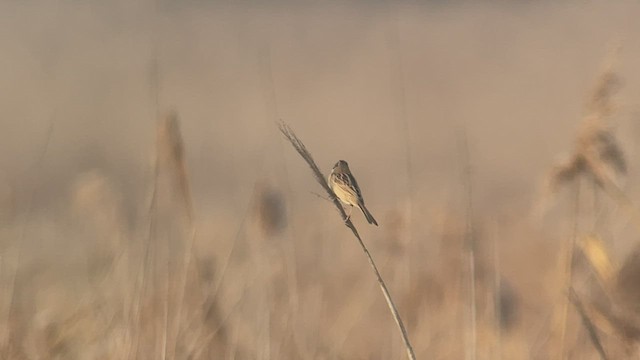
346 188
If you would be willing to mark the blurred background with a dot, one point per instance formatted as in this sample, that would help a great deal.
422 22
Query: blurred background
150 208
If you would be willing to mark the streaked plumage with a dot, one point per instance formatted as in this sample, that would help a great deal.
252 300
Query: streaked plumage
346 188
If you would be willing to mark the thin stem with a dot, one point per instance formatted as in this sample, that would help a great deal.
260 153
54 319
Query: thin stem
497 293
320 178
471 248
568 274
588 324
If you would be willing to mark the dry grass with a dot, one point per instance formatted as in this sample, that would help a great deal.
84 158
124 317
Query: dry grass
246 296
599 159
597 154
215 247
170 158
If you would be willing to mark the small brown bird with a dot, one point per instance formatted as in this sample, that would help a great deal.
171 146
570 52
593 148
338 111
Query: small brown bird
345 186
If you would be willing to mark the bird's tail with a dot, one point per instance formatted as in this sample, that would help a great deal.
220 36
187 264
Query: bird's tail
368 215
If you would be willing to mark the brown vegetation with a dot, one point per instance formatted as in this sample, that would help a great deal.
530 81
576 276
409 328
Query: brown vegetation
198 233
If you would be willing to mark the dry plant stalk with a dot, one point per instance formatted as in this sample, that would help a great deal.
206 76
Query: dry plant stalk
170 148
588 324
171 153
321 179
470 247
597 157
169 160
619 308
597 153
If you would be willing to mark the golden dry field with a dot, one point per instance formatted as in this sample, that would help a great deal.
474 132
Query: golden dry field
152 206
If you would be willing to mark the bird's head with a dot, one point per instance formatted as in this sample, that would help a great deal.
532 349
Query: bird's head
341 165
